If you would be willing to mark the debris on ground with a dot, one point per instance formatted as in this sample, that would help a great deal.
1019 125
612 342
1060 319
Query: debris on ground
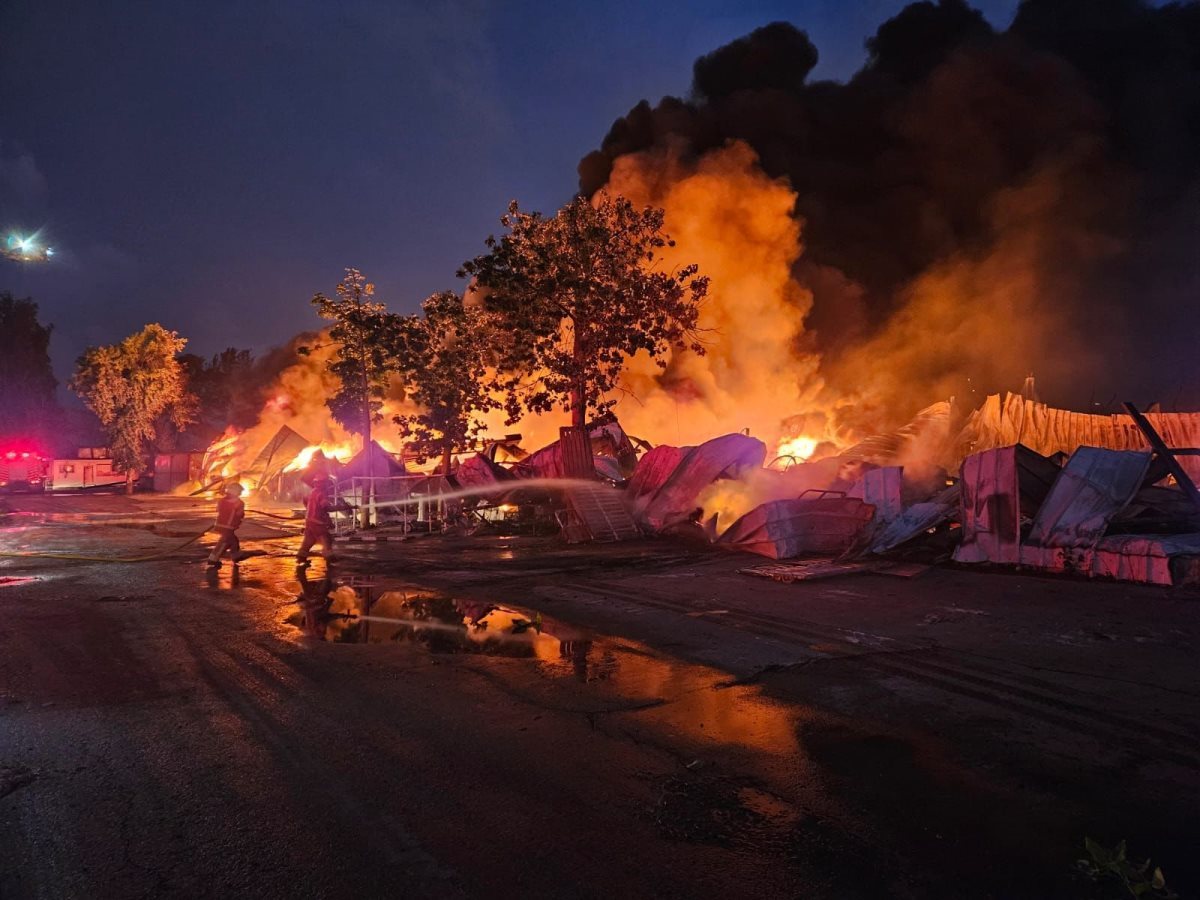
1016 483
810 570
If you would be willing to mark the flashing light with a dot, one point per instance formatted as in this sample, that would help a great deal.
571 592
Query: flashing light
24 456
10 455
25 248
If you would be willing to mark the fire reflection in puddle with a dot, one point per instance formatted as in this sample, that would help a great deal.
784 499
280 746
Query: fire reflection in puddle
357 610
622 677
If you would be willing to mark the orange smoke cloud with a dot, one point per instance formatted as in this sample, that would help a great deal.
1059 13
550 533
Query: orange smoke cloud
738 225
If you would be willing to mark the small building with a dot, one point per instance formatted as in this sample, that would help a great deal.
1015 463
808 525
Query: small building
174 469
91 467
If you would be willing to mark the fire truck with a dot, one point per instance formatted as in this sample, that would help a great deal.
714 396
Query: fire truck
22 470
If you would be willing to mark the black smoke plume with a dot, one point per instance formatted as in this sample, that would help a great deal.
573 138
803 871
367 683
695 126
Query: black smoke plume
976 204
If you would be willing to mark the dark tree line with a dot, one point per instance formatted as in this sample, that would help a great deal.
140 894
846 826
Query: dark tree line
223 390
28 408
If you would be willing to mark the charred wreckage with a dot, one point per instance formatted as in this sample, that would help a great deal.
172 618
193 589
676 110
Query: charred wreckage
1015 482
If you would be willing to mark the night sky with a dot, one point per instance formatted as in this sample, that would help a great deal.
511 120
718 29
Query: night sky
212 165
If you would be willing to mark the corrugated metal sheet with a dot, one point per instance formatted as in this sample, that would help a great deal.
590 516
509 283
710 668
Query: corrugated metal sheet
1093 487
721 456
1000 488
606 439
783 529
1144 557
991 508
1012 419
917 519
576 449
654 468
881 488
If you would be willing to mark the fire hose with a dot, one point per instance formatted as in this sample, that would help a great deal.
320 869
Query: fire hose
5 554
263 512
105 559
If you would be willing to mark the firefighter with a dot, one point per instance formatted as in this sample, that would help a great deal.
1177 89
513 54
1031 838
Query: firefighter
318 526
314 603
230 513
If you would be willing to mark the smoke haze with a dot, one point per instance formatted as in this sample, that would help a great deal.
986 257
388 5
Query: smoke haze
971 207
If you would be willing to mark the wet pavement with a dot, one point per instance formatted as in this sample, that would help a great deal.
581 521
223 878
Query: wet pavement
511 717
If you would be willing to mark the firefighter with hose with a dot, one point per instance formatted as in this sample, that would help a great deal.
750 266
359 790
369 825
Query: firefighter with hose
318 524
230 513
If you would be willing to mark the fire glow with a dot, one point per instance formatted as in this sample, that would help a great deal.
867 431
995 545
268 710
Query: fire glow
799 449
342 452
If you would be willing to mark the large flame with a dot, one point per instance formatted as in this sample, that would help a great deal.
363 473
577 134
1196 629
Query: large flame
795 449
342 452
737 224
296 400
760 373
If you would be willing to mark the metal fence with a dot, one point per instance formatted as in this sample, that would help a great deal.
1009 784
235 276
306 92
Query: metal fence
411 502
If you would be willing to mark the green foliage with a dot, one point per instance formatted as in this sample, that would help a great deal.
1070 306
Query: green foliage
225 388
1138 880
362 330
443 357
577 295
27 383
130 385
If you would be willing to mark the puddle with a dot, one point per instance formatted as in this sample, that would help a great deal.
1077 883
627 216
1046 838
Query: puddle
613 676
361 611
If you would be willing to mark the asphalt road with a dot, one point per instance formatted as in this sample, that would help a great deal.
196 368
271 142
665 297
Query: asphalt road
510 717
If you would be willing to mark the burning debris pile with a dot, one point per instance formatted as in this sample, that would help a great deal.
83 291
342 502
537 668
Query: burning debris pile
1012 482
936 227
1112 500
293 429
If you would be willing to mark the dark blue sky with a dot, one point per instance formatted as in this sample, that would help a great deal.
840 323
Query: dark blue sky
212 165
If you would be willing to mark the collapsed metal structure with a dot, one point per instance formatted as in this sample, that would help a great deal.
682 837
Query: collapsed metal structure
1018 483
1130 512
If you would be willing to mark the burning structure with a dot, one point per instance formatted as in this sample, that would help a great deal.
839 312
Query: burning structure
1020 482
884 254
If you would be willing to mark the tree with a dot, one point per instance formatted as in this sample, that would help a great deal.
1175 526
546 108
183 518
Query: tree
361 329
27 384
444 358
226 388
129 385
578 295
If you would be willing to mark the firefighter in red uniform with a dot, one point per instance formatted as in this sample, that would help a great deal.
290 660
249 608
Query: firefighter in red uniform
318 526
230 512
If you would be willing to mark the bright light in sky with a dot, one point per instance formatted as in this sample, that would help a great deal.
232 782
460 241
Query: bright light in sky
25 248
